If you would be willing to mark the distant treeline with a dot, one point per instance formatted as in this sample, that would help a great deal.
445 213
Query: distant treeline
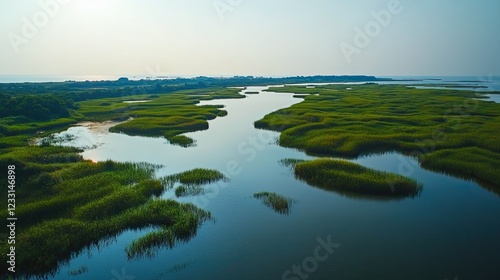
35 107
126 86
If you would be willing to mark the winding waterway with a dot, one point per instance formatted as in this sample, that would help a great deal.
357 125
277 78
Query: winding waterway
450 230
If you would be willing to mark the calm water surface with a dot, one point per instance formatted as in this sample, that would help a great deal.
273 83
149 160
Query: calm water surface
450 230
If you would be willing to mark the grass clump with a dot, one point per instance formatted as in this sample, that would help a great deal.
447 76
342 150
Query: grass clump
182 225
181 140
276 202
198 176
192 180
351 178
167 127
290 162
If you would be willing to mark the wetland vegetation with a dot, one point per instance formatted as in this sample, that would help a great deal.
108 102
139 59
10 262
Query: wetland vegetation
446 130
349 178
182 140
166 116
198 176
68 204
276 202
192 181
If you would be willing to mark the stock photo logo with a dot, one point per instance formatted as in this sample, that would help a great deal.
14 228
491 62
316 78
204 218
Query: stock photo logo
306 268
34 24
372 29
223 7
122 275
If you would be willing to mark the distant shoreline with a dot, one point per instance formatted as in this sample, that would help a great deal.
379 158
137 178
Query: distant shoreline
36 79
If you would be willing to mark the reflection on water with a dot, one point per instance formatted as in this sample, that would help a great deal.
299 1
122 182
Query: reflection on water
450 229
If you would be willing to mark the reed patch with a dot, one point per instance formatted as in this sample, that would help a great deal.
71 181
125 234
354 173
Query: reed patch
276 202
67 204
346 177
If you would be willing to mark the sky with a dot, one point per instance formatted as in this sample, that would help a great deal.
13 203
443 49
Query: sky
249 37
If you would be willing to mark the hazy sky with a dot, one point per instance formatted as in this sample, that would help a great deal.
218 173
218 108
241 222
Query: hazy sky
249 37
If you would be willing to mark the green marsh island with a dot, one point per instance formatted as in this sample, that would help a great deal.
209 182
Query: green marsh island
351 178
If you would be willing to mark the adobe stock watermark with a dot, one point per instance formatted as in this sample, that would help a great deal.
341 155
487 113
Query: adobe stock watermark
223 7
247 150
363 37
121 276
157 73
31 26
453 118
310 264
490 82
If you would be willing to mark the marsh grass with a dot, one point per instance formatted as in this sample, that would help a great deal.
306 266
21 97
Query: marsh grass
68 205
300 95
168 115
372 118
17 126
347 177
14 141
290 162
192 181
168 182
182 227
276 202
167 127
466 163
198 176
182 140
